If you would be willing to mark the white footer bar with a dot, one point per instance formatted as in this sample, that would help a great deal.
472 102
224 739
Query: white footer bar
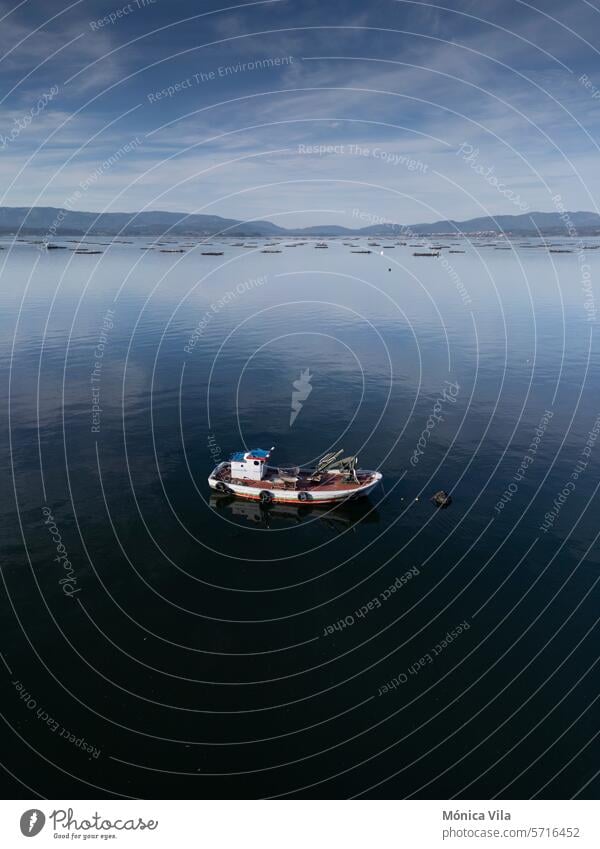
301 824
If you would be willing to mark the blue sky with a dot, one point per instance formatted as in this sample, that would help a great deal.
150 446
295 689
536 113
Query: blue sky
302 112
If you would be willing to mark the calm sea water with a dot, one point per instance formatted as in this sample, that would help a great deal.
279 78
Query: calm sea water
159 641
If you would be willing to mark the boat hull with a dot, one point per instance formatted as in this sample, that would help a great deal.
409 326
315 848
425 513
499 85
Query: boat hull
261 491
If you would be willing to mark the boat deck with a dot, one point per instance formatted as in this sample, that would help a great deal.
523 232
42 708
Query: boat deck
302 479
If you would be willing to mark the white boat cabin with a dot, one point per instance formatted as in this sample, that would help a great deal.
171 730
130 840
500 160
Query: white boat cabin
250 465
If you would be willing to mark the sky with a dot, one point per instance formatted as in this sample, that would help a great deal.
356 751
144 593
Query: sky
301 112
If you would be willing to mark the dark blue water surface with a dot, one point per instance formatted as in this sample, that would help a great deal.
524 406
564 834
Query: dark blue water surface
159 641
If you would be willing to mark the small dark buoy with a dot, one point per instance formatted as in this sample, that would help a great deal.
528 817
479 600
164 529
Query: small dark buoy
441 499
389 269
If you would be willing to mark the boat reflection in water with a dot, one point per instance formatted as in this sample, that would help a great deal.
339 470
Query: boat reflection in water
338 518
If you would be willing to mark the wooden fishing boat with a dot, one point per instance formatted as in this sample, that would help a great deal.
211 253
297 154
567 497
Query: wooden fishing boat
335 478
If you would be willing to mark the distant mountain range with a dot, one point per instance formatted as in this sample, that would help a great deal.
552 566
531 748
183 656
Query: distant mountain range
55 222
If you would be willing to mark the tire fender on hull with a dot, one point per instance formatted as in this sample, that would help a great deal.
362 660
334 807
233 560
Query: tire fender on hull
222 487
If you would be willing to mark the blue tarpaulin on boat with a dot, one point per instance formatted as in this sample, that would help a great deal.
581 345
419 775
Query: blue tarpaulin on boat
254 453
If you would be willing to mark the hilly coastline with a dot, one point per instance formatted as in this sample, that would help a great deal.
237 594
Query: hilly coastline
55 221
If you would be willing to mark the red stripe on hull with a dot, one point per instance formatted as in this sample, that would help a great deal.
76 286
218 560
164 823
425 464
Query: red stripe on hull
310 502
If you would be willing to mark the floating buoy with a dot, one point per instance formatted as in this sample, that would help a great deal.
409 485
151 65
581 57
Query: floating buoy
441 499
